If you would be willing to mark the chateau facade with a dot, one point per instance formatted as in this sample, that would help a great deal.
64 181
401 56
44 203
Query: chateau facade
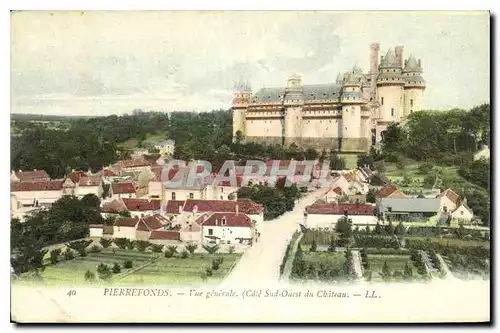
349 115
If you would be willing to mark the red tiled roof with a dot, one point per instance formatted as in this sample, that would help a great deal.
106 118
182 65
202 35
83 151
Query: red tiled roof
154 222
135 163
125 187
114 206
127 222
221 206
89 181
231 220
350 177
108 173
142 204
52 185
247 206
339 209
76 175
142 226
99 226
386 191
195 226
35 175
450 194
164 234
157 170
173 206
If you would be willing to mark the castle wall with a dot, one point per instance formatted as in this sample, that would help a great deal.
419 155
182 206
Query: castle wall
321 127
239 121
351 121
390 98
263 127
293 122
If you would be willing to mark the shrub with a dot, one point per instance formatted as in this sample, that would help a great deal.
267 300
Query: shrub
142 245
211 249
231 249
216 263
89 276
157 248
104 272
68 254
172 249
130 244
203 276
121 242
128 264
95 249
54 256
169 254
105 242
191 247
116 268
313 246
425 168
184 254
82 253
209 271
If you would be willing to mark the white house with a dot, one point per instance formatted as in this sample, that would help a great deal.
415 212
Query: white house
96 230
462 213
132 166
89 185
20 212
449 200
122 190
139 228
191 232
165 237
227 228
43 193
327 215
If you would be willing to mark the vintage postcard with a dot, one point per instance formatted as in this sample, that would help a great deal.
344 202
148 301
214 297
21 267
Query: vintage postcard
250 167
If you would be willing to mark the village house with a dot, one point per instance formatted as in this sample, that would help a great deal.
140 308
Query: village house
96 230
327 215
133 166
39 193
166 147
109 175
122 190
390 191
364 174
408 209
89 185
463 213
138 153
17 210
29 176
139 228
112 208
142 207
151 181
76 175
449 200
227 228
165 237
191 232
333 194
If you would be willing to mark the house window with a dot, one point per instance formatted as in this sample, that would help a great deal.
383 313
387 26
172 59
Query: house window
222 197
389 209
210 232
392 112
173 195
191 196
382 100
224 221
462 212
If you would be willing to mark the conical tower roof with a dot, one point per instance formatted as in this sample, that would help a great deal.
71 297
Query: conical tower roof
411 65
339 78
389 61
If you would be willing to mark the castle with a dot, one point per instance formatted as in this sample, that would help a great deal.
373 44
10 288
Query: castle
349 115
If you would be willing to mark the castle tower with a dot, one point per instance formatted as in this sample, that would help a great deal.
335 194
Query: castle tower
241 98
352 100
390 84
414 86
293 103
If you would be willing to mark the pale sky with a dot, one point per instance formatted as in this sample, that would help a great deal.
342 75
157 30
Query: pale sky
102 63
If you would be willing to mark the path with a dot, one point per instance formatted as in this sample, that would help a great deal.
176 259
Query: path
260 264
287 270
356 258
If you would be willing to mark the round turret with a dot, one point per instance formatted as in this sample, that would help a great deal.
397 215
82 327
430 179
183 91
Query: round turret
390 83
414 85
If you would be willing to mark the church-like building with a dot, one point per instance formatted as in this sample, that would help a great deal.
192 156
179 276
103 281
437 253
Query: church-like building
349 115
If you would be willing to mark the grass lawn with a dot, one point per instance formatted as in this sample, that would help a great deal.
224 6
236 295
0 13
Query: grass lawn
395 262
132 143
453 241
71 272
182 271
332 259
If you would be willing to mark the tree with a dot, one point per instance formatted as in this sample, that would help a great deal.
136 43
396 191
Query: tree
105 242
191 247
54 256
128 264
130 244
386 271
124 213
400 229
116 268
79 246
394 139
408 273
216 263
91 200
344 227
121 242
89 276
349 269
172 248
336 162
184 254
142 245
389 229
370 196
104 272
311 154
68 254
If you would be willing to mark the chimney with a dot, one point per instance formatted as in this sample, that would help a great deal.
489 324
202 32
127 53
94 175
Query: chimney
399 54
180 208
237 209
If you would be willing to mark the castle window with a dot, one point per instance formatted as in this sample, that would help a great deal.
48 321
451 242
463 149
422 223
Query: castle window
382 100
392 112
411 102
